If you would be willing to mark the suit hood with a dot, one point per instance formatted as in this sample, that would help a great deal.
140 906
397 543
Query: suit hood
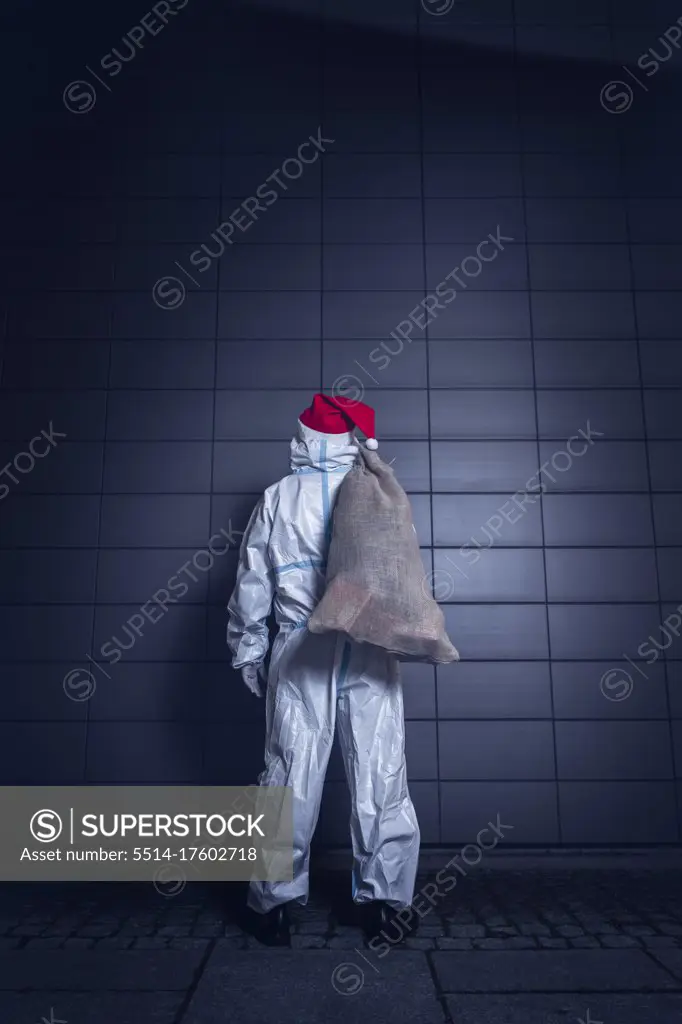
312 450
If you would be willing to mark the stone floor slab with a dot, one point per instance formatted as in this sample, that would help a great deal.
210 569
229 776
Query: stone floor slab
566 1009
670 958
334 986
549 970
99 1008
89 970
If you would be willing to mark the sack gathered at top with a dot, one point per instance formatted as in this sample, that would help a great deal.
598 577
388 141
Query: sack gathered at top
377 591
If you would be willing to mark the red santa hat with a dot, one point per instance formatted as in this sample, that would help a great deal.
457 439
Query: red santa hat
332 414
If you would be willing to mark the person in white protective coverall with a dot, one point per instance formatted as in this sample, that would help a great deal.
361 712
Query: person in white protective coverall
316 681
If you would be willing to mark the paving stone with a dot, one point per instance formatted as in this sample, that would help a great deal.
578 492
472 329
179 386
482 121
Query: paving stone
312 928
569 931
432 931
584 942
87 970
308 941
552 970
466 931
535 929
398 990
660 941
597 927
345 942
420 942
189 943
517 942
99 1007
619 942
114 942
150 942
565 1009
78 942
454 943
545 943
44 943
522 919
671 929
638 930
501 933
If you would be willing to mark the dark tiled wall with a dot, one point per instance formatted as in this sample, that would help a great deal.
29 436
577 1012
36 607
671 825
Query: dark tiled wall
448 126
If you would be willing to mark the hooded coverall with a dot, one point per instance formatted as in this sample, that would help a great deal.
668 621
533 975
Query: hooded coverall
318 680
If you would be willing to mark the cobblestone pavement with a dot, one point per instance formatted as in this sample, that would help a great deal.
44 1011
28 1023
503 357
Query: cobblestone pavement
615 934
488 910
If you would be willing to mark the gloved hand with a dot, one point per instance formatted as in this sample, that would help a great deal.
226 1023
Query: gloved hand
250 675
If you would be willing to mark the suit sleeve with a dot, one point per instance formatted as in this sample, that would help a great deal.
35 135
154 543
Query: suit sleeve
251 601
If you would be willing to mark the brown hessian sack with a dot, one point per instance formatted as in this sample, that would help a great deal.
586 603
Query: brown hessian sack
376 589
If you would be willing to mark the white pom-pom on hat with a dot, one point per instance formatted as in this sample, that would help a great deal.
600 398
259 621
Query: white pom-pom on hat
372 444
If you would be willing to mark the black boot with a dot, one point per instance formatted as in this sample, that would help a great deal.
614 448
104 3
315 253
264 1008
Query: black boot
379 921
271 929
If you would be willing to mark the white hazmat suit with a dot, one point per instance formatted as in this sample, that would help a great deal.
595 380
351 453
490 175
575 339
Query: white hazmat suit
317 681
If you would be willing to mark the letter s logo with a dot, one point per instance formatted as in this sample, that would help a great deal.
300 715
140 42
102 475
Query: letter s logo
46 826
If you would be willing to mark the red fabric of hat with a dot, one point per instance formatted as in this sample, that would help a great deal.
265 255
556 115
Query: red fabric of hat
332 414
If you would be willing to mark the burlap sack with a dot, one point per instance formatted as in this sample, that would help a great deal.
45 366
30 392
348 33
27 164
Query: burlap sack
376 590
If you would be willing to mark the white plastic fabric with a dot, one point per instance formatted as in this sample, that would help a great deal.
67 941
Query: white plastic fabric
317 681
